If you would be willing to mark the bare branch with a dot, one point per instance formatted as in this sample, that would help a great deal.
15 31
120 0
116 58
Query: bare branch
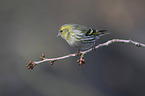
82 53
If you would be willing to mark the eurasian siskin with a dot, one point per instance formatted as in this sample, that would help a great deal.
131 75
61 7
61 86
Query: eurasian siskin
79 36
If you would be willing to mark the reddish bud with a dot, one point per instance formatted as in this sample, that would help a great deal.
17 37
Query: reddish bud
51 62
78 61
43 55
42 58
28 67
31 65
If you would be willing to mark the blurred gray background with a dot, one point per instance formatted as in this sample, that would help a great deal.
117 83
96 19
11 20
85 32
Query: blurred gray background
29 28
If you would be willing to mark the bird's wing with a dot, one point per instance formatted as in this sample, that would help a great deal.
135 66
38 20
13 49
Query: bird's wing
89 31
81 28
95 32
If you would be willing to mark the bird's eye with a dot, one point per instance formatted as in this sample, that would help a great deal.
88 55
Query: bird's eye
61 31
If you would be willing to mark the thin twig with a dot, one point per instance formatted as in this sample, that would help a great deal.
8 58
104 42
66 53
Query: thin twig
82 53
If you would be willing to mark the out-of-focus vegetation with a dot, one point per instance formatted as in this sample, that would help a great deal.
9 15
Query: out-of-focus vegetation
29 28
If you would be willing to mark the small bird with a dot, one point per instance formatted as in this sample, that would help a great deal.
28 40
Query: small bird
79 36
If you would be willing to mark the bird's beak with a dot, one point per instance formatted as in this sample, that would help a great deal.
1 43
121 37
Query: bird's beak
58 34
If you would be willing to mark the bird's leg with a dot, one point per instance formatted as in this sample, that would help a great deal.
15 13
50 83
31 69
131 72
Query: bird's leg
93 47
78 52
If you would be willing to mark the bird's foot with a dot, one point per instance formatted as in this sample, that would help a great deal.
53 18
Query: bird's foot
78 53
93 47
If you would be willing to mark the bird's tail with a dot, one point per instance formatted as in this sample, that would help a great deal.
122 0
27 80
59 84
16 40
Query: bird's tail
100 32
96 32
